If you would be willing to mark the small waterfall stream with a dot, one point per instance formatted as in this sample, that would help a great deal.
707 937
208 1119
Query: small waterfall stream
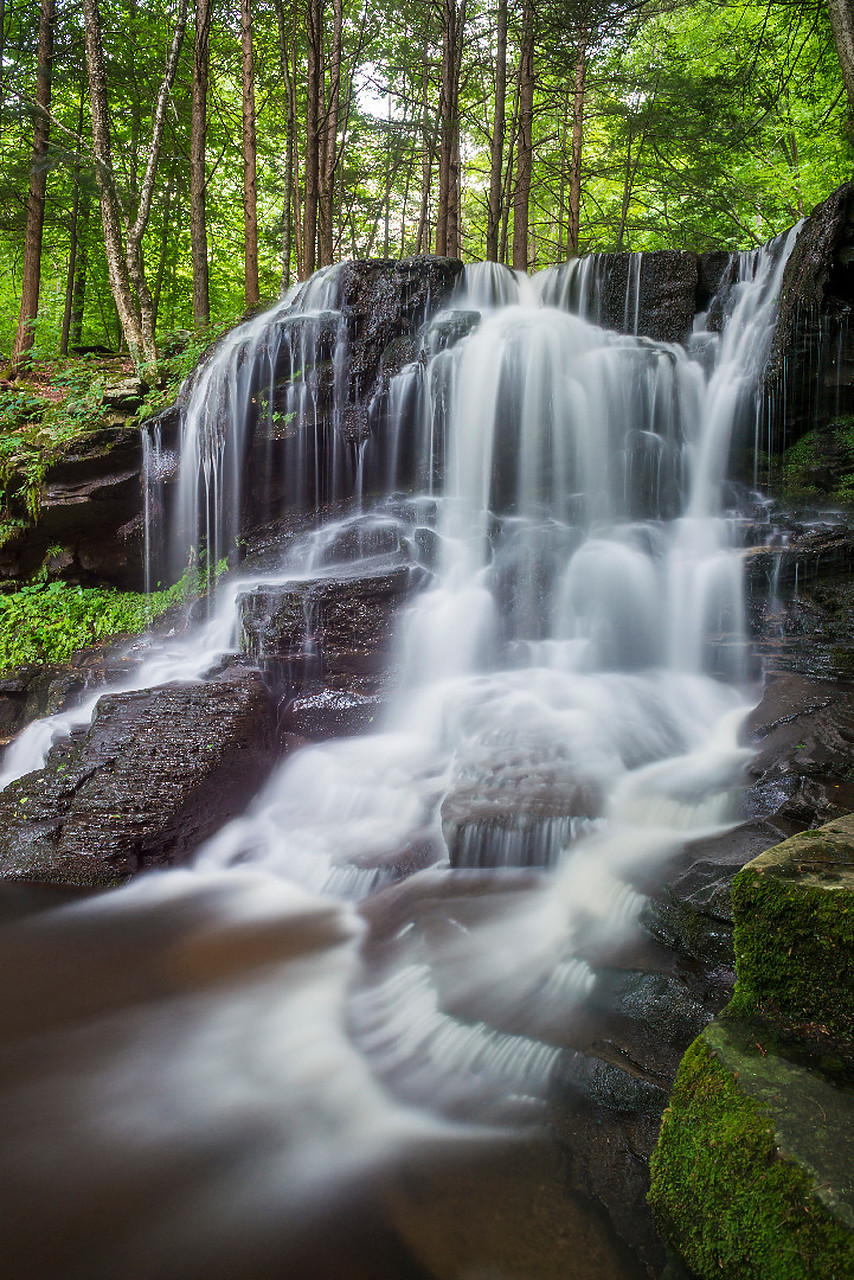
571 675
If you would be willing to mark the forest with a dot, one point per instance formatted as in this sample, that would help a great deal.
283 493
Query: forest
166 164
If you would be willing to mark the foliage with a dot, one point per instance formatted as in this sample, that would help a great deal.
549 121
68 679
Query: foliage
707 122
49 621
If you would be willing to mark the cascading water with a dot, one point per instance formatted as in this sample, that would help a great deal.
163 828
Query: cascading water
571 684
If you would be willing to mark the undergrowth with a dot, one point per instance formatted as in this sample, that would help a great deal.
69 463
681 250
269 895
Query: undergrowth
46 622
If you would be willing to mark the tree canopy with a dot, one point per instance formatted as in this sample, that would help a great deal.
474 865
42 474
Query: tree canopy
186 159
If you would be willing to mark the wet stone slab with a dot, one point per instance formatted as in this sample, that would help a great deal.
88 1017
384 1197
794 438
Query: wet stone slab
156 773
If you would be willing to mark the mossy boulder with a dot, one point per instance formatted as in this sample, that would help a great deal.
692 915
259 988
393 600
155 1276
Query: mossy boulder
752 1178
794 932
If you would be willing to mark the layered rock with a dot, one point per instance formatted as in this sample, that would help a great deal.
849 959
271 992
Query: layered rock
155 773
90 505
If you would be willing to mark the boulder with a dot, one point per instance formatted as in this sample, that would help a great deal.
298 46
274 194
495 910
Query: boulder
752 1171
794 940
156 773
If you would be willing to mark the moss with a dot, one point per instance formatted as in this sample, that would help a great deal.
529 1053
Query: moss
794 933
818 466
723 1194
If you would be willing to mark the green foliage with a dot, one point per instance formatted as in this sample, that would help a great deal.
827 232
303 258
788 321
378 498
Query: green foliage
49 621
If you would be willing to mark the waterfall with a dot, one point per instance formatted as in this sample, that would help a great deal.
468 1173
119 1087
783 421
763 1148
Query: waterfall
571 671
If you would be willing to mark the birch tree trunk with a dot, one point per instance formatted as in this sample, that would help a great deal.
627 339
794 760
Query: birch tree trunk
328 156
314 83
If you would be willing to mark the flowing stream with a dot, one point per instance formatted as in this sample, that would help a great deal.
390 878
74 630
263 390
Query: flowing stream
289 1053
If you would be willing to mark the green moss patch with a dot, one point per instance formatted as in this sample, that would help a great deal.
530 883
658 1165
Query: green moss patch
745 1180
794 932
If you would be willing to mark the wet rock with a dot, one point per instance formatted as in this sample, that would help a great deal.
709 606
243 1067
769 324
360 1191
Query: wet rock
331 713
803 771
385 300
712 270
692 912
338 626
809 377
156 773
668 294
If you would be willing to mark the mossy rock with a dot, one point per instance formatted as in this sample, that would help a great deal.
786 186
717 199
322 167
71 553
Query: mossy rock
752 1177
794 932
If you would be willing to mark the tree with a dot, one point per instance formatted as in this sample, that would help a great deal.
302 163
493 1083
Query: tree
198 169
31 274
842 25
524 144
123 236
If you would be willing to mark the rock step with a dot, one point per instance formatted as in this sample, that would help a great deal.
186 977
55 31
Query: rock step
155 774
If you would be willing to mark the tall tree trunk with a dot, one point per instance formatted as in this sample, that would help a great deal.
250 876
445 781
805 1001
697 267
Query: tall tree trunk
329 141
493 223
290 145
250 154
577 139
314 83
428 141
72 238
164 252
447 214
123 239
503 254
31 274
842 25
78 299
198 173
524 147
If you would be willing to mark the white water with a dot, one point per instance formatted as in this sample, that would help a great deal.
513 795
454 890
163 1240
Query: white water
577 666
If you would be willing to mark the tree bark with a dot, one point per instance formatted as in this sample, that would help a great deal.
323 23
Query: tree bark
250 158
447 214
328 158
285 56
123 239
31 273
493 224
78 299
842 25
574 222
198 174
314 82
72 238
163 254
524 147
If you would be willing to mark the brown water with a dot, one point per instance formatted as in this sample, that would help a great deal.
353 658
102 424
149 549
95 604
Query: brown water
178 1098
